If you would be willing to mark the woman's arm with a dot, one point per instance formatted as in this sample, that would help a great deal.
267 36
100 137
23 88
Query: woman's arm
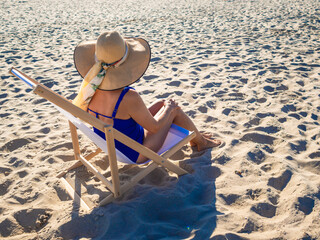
140 113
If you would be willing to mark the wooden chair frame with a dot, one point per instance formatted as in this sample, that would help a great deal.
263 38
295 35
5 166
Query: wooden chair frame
111 134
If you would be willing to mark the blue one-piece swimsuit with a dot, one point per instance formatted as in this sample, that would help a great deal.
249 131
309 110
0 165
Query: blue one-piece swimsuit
128 127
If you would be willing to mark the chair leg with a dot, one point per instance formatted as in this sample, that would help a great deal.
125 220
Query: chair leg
113 161
125 187
92 169
76 165
107 200
75 140
79 163
128 185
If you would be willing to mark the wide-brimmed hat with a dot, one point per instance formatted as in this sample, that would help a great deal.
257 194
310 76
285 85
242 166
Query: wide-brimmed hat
125 59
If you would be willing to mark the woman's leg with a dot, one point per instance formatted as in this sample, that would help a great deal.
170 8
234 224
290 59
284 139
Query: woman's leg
202 141
156 106
154 141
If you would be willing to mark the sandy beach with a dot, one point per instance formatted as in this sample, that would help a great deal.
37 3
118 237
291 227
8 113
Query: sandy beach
246 71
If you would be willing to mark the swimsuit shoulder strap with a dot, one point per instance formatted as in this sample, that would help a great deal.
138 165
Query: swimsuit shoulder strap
98 114
124 91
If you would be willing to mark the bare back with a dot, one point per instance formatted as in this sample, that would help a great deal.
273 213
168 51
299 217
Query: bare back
104 103
131 106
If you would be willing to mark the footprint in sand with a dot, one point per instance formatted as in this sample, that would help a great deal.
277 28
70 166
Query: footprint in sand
258 138
257 156
270 129
280 182
315 155
305 205
229 199
203 109
314 117
178 93
223 159
255 121
226 111
264 115
25 196
14 144
269 89
5 186
254 194
298 146
5 171
23 173
33 219
249 227
294 115
288 108
274 199
267 167
15 162
5 95
7 227
264 209
282 120
174 83
302 127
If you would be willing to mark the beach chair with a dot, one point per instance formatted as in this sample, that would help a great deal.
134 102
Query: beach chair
177 137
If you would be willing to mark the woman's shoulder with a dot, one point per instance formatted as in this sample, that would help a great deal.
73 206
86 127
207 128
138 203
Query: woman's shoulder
133 98
132 93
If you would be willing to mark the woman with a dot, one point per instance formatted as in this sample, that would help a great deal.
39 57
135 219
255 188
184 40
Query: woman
110 65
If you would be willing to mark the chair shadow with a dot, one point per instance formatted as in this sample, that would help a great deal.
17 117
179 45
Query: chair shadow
180 208
75 206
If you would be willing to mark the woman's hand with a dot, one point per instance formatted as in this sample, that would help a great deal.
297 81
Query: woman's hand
171 105
141 114
171 102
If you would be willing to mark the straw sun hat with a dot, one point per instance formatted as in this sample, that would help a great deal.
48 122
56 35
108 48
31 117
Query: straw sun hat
125 59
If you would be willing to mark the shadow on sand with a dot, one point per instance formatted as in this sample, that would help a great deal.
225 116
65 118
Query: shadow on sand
183 208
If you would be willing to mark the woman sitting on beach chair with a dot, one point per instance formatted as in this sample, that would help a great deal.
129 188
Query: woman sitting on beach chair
109 65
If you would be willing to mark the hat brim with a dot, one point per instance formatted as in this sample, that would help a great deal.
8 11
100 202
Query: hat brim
131 70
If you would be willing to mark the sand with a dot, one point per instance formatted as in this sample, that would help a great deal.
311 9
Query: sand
246 71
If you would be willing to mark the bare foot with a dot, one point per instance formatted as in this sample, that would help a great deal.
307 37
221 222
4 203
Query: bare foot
203 134
209 143
206 142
